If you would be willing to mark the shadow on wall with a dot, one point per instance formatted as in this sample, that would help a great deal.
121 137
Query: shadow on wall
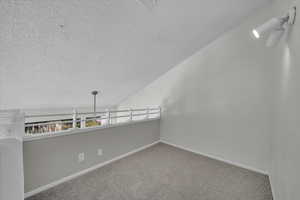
286 64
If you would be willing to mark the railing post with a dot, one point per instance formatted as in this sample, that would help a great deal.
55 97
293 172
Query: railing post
147 114
108 116
82 121
130 114
74 118
159 111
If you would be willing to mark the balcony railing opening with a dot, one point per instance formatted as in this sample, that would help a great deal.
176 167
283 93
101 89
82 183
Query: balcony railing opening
37 125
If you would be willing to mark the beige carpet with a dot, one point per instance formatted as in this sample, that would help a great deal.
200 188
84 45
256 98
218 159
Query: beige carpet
163 172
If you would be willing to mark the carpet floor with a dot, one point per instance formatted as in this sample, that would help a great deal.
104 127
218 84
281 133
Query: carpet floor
163 172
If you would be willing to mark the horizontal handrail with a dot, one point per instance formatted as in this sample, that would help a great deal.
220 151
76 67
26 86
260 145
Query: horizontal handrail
49 115
115 111
63 114
140 114
89 113
120 116
60 122
153 112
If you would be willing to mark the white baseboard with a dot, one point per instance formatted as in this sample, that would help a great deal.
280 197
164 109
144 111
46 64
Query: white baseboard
73 176
216 158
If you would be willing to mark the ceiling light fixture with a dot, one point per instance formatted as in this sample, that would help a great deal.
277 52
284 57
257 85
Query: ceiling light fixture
94 93
276 27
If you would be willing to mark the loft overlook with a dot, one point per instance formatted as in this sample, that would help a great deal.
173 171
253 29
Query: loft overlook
149 100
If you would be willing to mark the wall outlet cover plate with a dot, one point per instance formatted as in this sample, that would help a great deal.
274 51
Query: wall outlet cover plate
80 157
99 152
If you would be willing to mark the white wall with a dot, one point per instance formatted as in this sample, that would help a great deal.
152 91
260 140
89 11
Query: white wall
44 165
286 136
218 101
11 155
239 101
11 169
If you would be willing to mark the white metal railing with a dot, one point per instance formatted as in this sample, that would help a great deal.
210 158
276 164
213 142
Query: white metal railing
46 124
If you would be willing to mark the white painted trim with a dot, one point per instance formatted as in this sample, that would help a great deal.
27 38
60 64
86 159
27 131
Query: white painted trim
85 171
73 176
216 158
83 130
272 185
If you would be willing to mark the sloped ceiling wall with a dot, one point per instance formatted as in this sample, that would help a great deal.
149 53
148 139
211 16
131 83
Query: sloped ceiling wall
53 52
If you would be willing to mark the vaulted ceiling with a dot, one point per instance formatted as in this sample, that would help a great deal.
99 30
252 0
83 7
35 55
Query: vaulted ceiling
53 53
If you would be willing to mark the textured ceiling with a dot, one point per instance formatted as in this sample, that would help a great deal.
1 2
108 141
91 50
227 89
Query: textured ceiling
53 52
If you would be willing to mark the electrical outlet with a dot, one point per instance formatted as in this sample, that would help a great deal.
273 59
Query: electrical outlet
80 157
99 152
